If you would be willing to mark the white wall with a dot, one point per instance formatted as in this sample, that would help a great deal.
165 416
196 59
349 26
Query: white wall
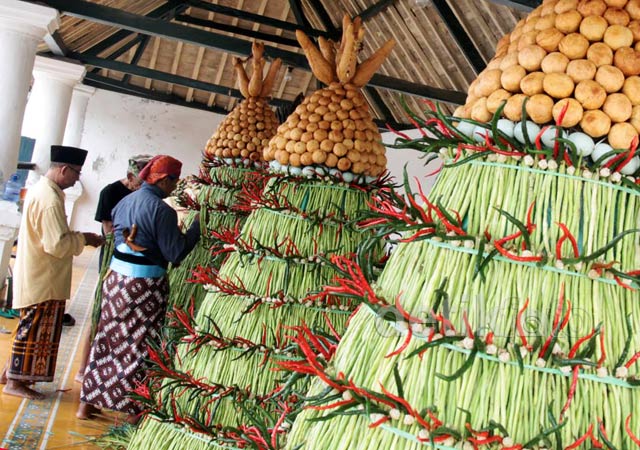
117 126
399 158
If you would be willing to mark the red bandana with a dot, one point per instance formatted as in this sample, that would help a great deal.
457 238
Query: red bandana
160 167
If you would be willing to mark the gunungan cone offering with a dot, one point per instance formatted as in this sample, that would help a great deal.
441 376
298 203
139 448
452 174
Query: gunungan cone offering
333 130
246 131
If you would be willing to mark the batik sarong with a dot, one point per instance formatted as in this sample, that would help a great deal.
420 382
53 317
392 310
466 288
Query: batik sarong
35 346
132 313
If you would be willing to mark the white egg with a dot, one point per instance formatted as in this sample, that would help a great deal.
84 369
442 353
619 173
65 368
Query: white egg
308 171
548 137
532 131
599 151
369 179
284 168
583 142
347 177
631 167
466 128
479 133
295 171
506 127
320 171
275 165
228 161
334 173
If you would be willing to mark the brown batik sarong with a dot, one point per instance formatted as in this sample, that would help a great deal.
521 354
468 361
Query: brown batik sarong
132 313
35 346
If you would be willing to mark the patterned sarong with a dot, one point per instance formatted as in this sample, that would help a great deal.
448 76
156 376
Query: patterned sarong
35 346
132 313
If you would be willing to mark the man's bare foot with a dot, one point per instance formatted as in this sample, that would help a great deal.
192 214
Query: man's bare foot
20 389
3 376
86 411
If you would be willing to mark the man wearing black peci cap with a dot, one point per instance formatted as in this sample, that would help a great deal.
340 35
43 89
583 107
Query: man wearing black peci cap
42 271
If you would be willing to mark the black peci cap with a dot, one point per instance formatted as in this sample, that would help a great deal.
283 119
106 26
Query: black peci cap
68 155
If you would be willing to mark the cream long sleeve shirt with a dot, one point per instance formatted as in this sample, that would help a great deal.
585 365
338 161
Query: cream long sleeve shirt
46 247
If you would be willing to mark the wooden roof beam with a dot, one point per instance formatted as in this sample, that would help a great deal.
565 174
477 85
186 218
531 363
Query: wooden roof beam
257 18
236 30
156 27
522 5
375 9
465 43
138 54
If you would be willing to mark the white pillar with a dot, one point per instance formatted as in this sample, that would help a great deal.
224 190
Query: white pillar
48 107
73 137
22 27
77 111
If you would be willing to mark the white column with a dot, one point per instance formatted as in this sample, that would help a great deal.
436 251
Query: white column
77 111
73 137
22 27
48 106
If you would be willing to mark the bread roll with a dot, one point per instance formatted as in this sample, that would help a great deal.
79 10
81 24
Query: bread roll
592 7
495 100
549 39
617 36
627 60
572 115
531 56
546 22
532 83
555 62
616 3
565 5
600 54
539 108
590 94
593 27
511 59
610 78
635 118
568 22
574 46
631 89
595 123
488 81
581 69
618 107
513 108
621 135
511 78
479 110
558 85
633 8
617 16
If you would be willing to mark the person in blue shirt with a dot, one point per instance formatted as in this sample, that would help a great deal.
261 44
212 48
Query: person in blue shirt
135 292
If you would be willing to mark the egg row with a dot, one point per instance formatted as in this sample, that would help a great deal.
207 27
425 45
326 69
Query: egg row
584 144
321 172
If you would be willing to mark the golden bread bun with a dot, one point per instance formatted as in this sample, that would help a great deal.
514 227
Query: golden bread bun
621 135
539 108
590 94
572 115
581 69
558 85
610 78
618 107
554 62
532 83
513 108
595 123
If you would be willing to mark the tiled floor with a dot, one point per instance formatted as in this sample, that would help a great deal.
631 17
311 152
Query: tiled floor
51 423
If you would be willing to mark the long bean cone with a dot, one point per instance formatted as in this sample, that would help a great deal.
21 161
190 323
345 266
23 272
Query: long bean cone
508 315
231 160
224 387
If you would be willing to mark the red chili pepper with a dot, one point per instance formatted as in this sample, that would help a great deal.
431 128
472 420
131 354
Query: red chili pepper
539 137
580 341
515 257
566 235
627 427
603 353
379 422
485 441
572 391
622 284
523 338
556 146
632 361
408 317
331 405
399 133
468 325
417 125
404 345
489 338
578 442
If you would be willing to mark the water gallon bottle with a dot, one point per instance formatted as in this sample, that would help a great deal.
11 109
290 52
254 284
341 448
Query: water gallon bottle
12 189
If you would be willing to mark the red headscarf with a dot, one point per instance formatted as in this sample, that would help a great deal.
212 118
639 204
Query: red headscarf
160 167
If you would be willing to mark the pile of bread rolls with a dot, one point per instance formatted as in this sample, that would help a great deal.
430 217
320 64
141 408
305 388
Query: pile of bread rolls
577 56
333 127
247 129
